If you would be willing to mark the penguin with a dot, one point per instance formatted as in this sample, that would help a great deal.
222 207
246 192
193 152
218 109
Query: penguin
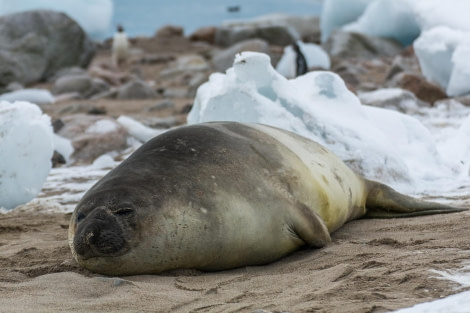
300 61
120 47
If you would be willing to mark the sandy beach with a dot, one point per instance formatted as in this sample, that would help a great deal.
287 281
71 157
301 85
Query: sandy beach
370 266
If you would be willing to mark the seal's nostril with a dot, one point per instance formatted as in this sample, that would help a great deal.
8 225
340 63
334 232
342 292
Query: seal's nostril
89 238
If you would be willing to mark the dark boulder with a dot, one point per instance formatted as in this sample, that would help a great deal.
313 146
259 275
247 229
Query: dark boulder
34 45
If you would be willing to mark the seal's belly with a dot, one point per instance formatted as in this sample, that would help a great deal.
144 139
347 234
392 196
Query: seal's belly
234 231
329 187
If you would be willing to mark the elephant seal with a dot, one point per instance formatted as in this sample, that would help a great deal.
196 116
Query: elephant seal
222 195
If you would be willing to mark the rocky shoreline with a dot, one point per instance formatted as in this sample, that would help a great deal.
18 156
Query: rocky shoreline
158 83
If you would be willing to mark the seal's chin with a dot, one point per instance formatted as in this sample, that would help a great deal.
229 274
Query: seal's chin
96 255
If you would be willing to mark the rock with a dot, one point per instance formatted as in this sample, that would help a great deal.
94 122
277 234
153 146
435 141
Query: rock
97 111
350 73
403 64
162 105
346 45
185 64
156 58
170 31
68 96
393 98
175 92
194 82
465 100
136 89
307 27
280 35
417 84
13 86
205 34
111 77
57 125
224 59
397 67
453 104
75 108
57 159
67 71
93 136
162 122
277 29
109 94
34 45
186 108
37 96
83 84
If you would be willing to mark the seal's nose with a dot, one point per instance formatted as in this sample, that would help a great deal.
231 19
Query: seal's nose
99 234
85 241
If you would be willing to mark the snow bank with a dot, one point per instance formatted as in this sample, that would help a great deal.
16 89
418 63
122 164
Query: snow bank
433 13
458 303
393 99
314 55
93 15
399 19
36 96
138 130
388 18
336 13
443 28
444 57
381 144
457 148
26 148
102 127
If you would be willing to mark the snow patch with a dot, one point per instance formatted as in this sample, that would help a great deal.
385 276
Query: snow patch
26 148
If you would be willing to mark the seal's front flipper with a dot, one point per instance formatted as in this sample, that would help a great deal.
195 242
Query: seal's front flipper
310 227
385 202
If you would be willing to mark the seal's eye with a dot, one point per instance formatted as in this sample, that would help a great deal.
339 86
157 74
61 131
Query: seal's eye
80 216
124 212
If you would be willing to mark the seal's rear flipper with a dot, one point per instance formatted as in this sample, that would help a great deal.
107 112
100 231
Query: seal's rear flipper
384 202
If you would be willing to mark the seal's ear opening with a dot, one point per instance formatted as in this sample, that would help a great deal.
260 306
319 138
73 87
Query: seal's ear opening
385 202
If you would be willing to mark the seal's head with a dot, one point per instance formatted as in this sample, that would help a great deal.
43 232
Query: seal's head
103 229
103 232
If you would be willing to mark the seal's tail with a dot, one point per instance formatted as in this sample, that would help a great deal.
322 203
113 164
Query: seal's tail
385 202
